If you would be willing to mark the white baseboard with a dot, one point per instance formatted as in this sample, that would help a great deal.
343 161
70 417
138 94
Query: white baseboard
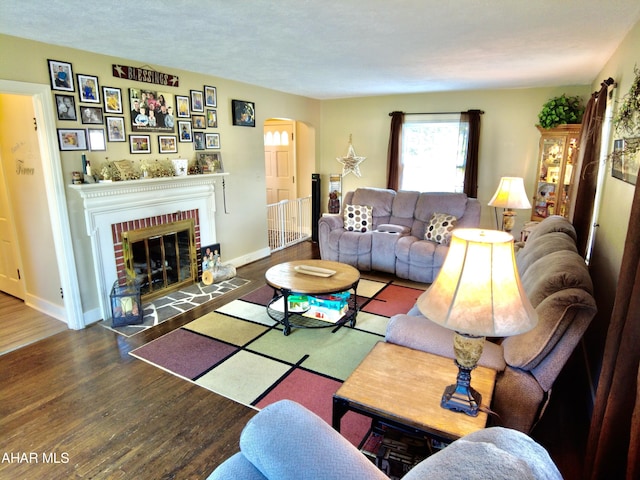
250 257
46 307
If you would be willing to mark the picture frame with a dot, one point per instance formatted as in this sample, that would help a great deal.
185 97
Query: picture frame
88 88
61 76
212 141
184 131
210 256
115 129
96 139
198 140
210 162
167 144
91 115
112 100
212 118
139 144
197 101
244 113
72 139
151 111
182 107
625 159
66 107
198 122
210 96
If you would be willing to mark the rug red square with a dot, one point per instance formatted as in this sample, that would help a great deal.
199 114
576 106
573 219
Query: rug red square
392 300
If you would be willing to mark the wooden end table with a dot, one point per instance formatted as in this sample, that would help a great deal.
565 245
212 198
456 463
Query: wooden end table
403 387
287 279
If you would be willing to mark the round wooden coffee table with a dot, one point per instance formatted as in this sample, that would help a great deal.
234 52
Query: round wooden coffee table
311 277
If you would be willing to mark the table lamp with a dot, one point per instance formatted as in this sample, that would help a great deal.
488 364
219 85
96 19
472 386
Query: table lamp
477 294
510 194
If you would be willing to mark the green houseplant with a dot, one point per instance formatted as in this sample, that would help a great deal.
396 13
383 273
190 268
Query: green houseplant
561 110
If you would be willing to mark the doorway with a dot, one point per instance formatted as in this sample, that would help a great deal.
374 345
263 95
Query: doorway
45 145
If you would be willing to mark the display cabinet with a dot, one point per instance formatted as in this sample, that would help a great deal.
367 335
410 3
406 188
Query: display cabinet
554 180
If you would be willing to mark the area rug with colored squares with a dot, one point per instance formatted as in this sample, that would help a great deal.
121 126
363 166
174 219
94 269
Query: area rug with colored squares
240 352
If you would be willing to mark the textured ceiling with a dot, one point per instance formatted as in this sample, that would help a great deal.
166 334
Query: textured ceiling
343 48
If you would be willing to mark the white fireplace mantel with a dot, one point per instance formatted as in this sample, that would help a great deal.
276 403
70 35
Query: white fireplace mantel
114 202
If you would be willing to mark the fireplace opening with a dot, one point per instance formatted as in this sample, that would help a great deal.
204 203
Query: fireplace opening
162 258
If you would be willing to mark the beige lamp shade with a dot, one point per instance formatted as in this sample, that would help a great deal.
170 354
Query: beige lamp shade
510 194
478 290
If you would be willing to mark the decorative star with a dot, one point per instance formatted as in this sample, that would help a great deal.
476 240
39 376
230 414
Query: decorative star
351 162
118 71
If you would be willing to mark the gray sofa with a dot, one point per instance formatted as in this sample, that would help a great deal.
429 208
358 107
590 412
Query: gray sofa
285 441
558 284
395 238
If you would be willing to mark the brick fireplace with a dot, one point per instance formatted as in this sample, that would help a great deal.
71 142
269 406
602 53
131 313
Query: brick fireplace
110 209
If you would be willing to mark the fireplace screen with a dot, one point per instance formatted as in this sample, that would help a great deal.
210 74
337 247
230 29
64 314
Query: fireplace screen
161 258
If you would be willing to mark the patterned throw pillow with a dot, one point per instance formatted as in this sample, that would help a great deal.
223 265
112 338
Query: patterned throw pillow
358 218
440 227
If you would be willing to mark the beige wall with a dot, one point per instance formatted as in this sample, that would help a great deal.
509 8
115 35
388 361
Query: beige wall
508 139
241 231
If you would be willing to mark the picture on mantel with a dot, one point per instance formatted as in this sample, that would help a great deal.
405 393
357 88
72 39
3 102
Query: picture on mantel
151 111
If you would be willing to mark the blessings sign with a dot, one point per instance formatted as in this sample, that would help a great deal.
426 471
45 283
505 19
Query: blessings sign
144 75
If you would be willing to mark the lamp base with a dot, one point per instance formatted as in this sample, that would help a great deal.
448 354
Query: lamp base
463 399
508 220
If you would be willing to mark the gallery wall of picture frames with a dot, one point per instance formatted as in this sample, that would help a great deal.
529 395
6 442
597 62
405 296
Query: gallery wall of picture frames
152 119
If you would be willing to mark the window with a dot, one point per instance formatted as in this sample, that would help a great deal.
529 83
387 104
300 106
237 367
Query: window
434 152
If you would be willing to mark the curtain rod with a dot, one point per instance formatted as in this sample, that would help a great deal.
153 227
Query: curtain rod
435 113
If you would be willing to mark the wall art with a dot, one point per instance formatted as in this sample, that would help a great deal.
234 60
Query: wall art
210 96
244 113
72 139
112 100
182 107
61 76
210 162
115 129
151 111
66 107
91 115
212 118
145 75
167 144
198 140
212 140
184 127
88 88
197 101
139 144
626 159
96 139
198 121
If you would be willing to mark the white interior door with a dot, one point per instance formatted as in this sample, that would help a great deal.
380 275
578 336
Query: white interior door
11 280
279 161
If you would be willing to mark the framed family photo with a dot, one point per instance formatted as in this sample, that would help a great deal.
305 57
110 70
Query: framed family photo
212 118
212 140
182 107
112 100
115 129
210 162
96 139
197 101
244 113
198 122
61 76
88 88
151 111
184 127
91 115
167 144
139 143
210 96
198 140
66 107
72 139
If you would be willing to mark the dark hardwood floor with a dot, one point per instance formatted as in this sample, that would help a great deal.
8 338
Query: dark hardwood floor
76 405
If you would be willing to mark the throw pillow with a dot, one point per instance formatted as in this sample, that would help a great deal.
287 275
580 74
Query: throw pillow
358 218
440 227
